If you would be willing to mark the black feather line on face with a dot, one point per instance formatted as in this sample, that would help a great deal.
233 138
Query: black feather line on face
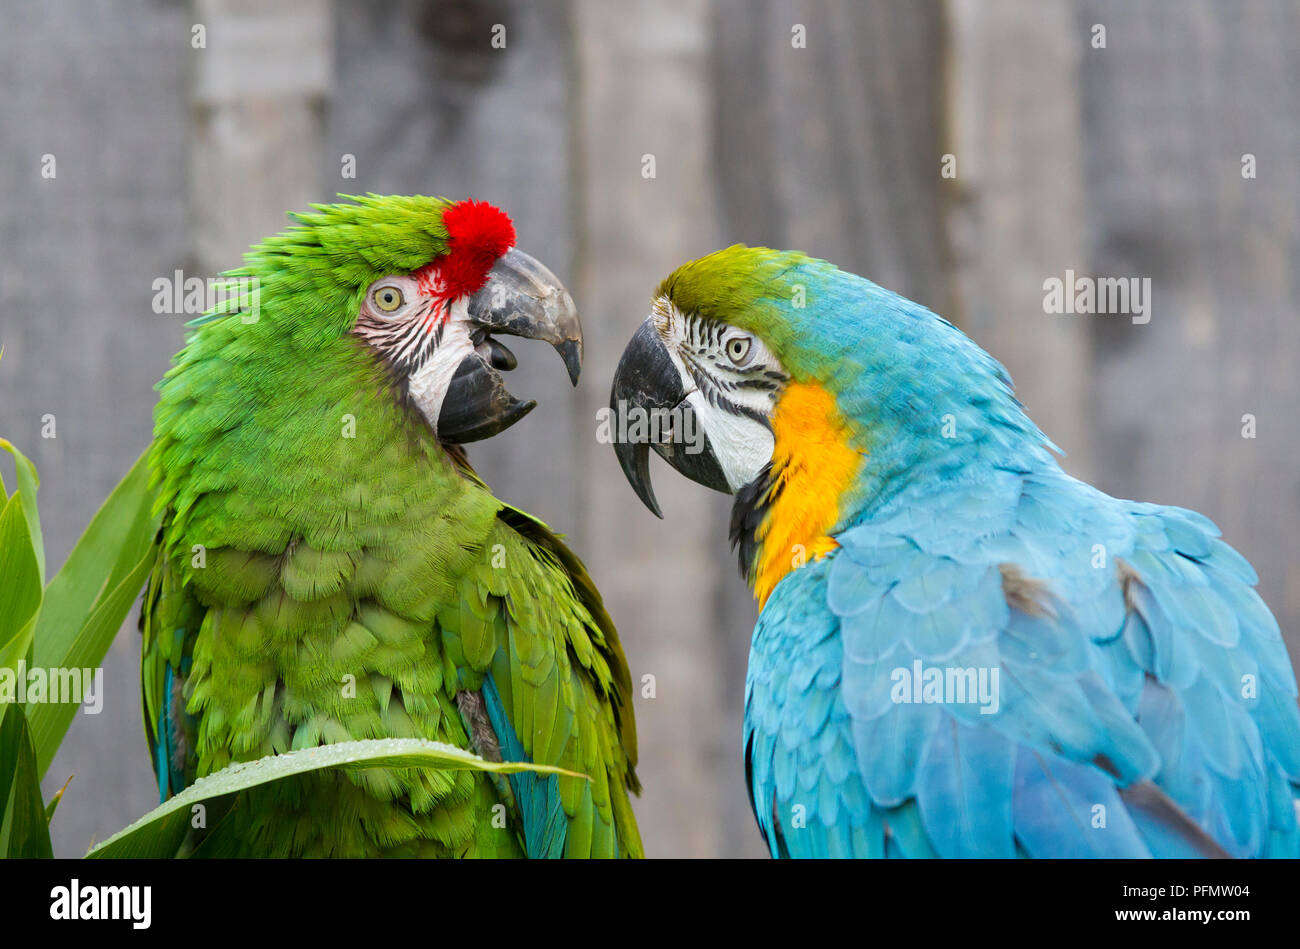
701 355
403 344
709 388
745 382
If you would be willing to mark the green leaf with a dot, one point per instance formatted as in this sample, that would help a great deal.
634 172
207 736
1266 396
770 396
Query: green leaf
20 591
50 720
18 648
161 832
28 482
20 598
24 831
54 801
87 601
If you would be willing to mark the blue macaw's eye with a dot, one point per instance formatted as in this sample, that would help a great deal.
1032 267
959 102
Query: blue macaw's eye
388 299
738 349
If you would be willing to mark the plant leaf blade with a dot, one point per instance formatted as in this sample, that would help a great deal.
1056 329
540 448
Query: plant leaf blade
161 832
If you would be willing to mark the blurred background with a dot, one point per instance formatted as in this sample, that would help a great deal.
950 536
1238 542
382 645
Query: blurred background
1170 151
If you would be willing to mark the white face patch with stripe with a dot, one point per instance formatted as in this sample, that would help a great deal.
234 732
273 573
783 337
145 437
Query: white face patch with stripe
418 335
732 382
428 385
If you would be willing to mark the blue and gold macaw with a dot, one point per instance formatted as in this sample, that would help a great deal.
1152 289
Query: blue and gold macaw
962 651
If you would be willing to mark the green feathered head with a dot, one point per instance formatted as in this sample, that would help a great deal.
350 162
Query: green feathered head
365 335
421 285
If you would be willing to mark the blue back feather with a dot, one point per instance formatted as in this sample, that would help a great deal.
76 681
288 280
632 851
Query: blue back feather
1146 705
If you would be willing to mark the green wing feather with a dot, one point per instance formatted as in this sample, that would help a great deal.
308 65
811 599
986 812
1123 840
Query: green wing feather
166 614
563 679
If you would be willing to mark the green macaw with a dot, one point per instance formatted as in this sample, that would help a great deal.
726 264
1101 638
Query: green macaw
330 567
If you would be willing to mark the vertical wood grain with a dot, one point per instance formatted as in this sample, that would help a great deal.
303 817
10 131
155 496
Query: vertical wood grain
103 89
1180 94
1014 218
643 89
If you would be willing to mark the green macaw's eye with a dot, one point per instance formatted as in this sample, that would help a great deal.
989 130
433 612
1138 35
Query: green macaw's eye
388 299
738 349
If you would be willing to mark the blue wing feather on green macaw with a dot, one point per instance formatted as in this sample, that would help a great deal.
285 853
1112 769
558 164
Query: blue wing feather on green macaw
330 568
962 651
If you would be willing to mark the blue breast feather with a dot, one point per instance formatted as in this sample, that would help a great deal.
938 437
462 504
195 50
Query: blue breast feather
1145 703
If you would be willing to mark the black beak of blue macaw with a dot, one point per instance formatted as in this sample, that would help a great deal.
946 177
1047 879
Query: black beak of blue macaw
520 298
648 382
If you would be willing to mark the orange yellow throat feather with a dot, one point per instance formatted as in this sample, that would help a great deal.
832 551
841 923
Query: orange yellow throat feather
813 465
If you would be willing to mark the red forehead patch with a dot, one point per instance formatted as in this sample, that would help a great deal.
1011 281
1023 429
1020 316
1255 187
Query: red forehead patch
477 234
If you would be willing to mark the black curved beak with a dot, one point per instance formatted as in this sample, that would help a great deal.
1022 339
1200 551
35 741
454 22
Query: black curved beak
520 298
650 410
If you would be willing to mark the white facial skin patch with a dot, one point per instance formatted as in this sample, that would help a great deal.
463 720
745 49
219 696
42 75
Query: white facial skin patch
428 385
743 379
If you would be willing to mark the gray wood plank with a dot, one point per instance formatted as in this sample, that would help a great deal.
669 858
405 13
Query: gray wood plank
1181 92
103 89
643 88
257 90
1014 212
